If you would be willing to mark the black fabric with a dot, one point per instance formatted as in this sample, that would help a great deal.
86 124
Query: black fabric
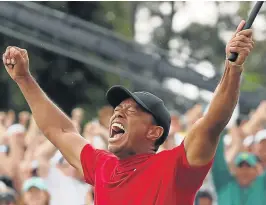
149 102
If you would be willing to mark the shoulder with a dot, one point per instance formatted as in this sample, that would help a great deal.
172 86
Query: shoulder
97 154
177 151
178 157
173 156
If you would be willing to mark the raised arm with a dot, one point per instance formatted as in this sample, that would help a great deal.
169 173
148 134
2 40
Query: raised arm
202 140
220 171
55 125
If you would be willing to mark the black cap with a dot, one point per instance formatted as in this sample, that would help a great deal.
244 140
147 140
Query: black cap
149 102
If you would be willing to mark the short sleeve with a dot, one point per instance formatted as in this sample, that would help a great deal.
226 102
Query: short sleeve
189 177
90 159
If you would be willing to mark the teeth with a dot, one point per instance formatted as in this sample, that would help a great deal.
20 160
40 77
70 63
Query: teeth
117 136
118 125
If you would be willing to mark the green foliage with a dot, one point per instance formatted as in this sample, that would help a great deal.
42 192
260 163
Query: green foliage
69 83
118 14
205 42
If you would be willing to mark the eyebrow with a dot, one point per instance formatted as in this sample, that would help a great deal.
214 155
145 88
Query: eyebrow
133 106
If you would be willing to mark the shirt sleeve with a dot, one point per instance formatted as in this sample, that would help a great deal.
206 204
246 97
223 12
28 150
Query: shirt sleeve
90 158
189 177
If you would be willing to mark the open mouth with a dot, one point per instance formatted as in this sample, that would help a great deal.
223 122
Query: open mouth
117 130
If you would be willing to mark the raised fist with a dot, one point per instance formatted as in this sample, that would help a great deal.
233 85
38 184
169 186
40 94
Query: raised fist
16 62
240 43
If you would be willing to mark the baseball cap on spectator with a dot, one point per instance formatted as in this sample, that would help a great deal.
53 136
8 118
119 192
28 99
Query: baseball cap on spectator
246 157
261 135
35 182
147 101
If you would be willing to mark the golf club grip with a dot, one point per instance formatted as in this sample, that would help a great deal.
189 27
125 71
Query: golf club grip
249 22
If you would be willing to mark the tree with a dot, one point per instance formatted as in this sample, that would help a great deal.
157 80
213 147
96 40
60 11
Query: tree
196 33
68 82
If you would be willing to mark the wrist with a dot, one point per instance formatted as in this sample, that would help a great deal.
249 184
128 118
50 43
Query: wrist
23 79
234 67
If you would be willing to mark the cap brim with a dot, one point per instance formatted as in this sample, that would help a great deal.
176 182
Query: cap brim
30 187
117 94
252 164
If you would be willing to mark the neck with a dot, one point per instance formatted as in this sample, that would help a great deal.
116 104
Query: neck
126 155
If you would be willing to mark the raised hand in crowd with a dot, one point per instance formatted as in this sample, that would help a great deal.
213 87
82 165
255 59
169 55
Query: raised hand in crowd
96 134
77 115
257 120
23 118
10 118
13 155
2 126
236 137
192 115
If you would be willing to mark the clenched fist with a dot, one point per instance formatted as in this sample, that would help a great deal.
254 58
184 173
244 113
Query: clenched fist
240 43
16 62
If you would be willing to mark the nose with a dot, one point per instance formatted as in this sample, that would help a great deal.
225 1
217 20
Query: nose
119 114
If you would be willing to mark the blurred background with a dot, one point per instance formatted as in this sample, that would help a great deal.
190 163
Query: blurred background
175 50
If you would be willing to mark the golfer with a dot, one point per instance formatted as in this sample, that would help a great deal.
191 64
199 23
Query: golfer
131 173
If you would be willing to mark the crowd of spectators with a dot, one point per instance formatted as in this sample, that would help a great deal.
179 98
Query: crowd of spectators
34 172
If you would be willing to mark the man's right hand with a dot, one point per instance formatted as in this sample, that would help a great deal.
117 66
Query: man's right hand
16 62
53 122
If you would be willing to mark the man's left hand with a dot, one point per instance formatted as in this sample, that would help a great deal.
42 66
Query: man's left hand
240 43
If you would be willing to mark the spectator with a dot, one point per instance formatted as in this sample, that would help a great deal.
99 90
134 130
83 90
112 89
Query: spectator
77 115
23 118
34 192
203 198
60 177
245 185
25 154
9 118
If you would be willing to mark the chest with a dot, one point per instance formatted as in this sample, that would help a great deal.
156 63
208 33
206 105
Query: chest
144 183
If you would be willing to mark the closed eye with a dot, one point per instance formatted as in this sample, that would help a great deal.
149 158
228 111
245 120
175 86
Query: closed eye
117 109
131 110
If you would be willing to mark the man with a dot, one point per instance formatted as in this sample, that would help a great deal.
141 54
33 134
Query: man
139 125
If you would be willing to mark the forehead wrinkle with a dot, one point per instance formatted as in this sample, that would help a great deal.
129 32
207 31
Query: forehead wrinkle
128 102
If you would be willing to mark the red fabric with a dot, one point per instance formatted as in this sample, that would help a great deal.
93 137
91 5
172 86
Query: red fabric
150 179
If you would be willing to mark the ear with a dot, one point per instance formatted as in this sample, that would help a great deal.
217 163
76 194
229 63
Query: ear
155 132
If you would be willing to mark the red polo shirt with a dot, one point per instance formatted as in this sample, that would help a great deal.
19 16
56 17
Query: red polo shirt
147 179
